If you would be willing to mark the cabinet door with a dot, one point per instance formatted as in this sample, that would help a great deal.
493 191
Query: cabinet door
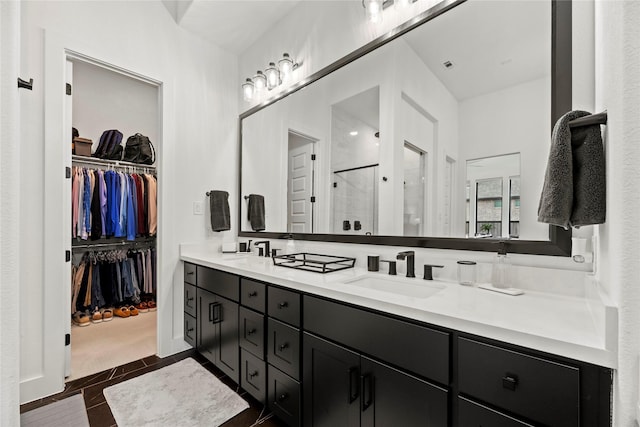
207 330
228 357
393 398
331 380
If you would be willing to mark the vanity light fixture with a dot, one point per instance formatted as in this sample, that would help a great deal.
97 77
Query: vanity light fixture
374 8
248 89
259 81
271 78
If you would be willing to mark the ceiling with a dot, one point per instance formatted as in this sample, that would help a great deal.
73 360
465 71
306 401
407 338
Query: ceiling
492 45
233 25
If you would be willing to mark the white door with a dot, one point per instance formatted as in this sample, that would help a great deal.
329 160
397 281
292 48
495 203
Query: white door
300 185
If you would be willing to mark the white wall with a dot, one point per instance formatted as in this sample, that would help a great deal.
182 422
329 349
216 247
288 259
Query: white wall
198 145
9 212
103 99
617 74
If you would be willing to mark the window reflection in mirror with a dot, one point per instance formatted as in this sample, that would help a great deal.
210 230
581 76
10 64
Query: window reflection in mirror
494 187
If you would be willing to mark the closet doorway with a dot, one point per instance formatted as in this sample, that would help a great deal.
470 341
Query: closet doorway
112 208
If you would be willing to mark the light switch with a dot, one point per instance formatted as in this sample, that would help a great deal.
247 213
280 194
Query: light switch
198 208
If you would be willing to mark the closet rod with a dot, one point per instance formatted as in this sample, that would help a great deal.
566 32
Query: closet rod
115 244
593 119
110 163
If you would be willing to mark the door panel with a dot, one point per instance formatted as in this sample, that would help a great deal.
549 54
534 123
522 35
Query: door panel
207 335
331 384
399 399
228 351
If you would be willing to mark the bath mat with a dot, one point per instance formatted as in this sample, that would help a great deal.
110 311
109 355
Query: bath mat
183 394
69 412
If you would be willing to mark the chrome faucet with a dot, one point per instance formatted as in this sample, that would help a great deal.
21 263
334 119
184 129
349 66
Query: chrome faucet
267 252
411 262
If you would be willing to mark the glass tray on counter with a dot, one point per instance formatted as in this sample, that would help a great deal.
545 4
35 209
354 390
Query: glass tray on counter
314 262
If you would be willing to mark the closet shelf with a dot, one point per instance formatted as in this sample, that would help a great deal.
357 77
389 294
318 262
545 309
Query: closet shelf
109 163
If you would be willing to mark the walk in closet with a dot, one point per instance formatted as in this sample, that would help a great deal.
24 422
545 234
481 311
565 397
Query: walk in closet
113 217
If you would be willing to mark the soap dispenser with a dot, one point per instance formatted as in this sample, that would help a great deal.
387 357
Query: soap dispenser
291 246
500 269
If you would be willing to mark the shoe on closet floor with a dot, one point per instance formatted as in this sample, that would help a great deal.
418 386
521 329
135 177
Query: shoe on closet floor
96 317
122 312
142 307
152 305
133 310
107 314
80 318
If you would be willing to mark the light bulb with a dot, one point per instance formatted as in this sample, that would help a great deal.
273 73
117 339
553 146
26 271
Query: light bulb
259 81
373 9
248 90
273 76
285 65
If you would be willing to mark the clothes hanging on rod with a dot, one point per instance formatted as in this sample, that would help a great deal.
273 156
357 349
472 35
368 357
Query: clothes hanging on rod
115 278
109 203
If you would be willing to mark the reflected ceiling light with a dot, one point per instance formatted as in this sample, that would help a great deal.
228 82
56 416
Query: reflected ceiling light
353 133
271 78
248 89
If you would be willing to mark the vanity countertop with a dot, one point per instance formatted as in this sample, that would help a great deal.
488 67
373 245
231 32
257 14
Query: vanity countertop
572 327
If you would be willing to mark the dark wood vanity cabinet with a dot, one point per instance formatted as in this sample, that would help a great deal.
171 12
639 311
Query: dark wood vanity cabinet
317 362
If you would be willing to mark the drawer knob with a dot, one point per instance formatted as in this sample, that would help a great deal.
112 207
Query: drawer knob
283 397
253 294
190 273
251 331
510 381
284 346
283 304
190 330
190 299
253 374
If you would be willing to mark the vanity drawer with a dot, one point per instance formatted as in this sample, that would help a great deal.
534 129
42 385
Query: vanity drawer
189 273
190 330
284 397
190 299
219 282
540 390
253 294
253 376
284 305
472 414
252 331
415 348
283 348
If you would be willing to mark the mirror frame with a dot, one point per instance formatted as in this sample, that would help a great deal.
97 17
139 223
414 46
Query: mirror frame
559 243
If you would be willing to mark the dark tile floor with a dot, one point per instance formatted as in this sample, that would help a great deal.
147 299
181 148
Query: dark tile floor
98 410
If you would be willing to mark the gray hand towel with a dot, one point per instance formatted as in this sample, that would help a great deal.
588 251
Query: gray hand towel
256 212
574 191
220 217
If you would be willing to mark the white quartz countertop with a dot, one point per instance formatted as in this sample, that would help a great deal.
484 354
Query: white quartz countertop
560 325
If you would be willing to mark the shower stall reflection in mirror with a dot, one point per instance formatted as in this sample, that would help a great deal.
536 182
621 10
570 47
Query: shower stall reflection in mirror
105 96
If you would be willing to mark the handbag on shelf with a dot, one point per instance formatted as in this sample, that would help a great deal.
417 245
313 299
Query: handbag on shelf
139 149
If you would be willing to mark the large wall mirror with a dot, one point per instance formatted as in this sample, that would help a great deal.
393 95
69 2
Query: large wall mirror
436 135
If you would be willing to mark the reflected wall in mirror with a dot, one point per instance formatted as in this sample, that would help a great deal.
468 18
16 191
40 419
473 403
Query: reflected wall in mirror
394 134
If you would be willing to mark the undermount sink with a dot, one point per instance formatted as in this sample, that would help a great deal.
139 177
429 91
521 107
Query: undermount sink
414 288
